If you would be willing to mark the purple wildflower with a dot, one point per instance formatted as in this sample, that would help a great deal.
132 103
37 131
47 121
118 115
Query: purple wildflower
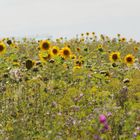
102 118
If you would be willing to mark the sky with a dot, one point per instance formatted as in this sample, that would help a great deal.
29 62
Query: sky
33 18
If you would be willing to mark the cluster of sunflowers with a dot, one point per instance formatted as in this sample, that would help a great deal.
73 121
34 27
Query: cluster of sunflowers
52 51
82 88
128 59
47 51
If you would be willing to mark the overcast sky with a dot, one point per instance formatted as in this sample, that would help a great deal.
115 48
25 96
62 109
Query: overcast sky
69 17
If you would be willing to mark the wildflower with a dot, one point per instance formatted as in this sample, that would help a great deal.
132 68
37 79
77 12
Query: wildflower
129 59
106 126
102 118
114 56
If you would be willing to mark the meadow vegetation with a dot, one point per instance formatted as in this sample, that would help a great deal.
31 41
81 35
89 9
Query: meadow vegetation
84 88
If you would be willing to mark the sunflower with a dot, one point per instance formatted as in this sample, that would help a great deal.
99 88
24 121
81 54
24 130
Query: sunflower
82 34
73 56
58 40
2 47
114 56
54 50
87 33
129 59
78 63
136 49
44 45
9 42
118 35
93 33
29 64
45 57
123 39
82 40
65 52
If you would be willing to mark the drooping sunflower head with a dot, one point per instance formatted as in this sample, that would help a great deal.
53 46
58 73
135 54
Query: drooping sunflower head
129 59
114 56
45 45
65 52
9 42
54 50
2 47
29 64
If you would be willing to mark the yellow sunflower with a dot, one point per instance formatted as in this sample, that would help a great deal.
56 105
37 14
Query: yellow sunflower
93 33
82 40
45 57
75 68
136 49
78 63
73 56
114 56
44 45
2 47
65 52
87 33
55 51
123 39
82 34
129 59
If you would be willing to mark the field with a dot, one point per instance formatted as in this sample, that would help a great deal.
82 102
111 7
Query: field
84 88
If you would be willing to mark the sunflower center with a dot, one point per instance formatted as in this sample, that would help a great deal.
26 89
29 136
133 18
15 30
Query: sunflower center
45 46
114 56
54 51
1 48
66 52
129 59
